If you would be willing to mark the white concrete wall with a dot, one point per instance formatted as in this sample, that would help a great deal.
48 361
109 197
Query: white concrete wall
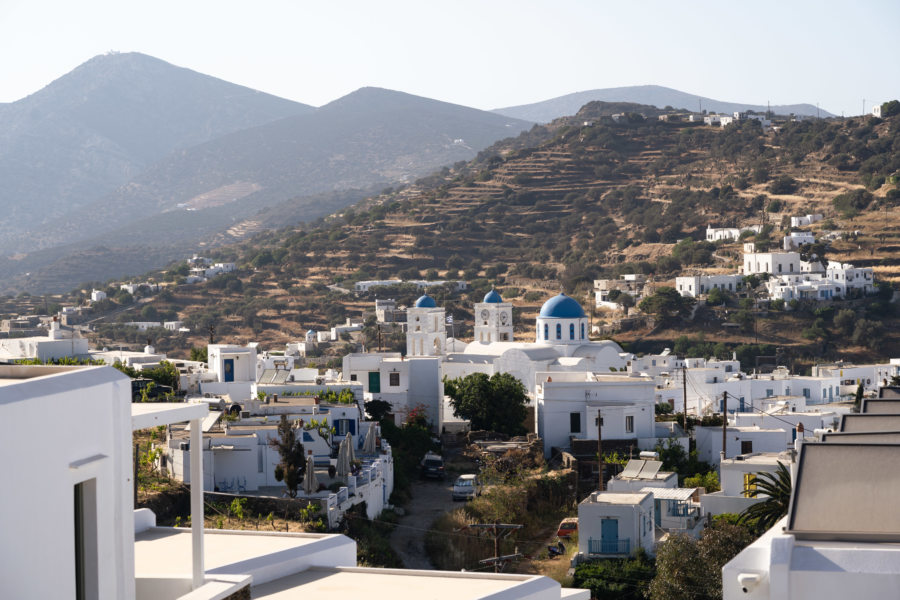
62 429
709 441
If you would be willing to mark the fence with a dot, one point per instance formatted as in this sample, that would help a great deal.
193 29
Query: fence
609 546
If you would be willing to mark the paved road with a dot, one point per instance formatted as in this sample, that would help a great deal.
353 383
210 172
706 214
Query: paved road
430 499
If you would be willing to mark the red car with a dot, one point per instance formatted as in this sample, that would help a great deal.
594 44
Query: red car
567 527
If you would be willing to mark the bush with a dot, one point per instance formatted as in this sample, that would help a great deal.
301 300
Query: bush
783 185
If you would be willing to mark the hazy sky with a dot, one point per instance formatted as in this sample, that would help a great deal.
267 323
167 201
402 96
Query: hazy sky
485 53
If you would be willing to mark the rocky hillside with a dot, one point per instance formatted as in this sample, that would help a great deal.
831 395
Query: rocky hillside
566 203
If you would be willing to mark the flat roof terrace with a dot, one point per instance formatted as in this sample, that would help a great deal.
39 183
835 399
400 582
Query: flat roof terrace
166 552
397 584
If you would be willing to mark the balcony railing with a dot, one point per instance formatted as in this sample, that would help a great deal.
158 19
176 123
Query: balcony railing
609 546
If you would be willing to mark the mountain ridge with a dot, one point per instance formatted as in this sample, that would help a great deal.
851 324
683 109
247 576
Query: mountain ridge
655 95
100 125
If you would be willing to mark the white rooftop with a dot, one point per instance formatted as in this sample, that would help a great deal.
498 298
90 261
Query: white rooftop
615 498
166 552
153 414
669 493
397 584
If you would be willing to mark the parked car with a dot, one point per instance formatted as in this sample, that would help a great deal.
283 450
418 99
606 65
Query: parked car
466 487
567 527
433 466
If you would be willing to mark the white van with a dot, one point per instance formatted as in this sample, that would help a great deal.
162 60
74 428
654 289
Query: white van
466 487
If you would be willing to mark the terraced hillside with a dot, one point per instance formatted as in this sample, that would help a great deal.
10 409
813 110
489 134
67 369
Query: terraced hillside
589 197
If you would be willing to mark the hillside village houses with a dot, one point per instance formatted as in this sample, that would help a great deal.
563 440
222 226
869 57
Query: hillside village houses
101 547
633 284
788 277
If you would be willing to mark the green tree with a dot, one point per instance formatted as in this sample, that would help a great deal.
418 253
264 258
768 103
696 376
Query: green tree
868 333
708 480
292 467
776 487
377 409
845 321
665 304
890 108
200 354
688 568
495 403
716 297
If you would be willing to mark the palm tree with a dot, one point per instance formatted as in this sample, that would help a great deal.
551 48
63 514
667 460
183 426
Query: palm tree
777 487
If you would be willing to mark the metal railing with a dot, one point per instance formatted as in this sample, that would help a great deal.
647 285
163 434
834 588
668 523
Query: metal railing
609 546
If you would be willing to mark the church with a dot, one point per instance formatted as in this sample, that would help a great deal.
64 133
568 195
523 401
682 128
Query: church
561 342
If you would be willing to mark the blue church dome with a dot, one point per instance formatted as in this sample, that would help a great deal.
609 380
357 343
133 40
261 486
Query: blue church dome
493 297
562 307
425 301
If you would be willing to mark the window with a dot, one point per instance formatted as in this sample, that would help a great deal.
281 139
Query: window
575 422
352 376
582 331
546 331
558 331
85 516
746 446
393 379
629 424
749 485
571 331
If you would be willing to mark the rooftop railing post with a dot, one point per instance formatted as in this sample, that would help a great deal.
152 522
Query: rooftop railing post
197 504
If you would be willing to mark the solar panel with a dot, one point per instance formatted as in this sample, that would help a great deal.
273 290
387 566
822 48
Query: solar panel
632 468
651 468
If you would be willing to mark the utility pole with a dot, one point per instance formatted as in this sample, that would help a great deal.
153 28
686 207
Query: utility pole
600 448
684 397
497 531
724 422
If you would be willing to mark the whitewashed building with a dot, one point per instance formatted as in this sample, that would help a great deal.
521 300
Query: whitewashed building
615 524
736 478
58 343
405 383
795 239
572 405
697 285
805 220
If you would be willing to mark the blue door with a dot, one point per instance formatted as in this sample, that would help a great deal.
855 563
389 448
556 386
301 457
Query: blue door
229 369
609 535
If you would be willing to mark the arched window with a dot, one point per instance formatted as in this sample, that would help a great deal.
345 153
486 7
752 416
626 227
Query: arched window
546 331
582 331
571 331
558 331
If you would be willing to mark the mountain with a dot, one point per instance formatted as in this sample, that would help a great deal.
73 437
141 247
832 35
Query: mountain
309 164
654 95
101 125
370 137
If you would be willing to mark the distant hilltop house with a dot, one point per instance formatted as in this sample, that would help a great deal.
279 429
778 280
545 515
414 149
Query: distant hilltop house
716 234
607 292
805 220
97 295
132 288
795 239
365 286
788 277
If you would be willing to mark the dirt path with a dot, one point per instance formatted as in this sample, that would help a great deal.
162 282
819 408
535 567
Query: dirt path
430 499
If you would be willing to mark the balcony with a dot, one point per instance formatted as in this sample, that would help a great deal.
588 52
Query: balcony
605 547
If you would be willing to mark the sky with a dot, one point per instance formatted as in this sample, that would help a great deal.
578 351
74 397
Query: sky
480 53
